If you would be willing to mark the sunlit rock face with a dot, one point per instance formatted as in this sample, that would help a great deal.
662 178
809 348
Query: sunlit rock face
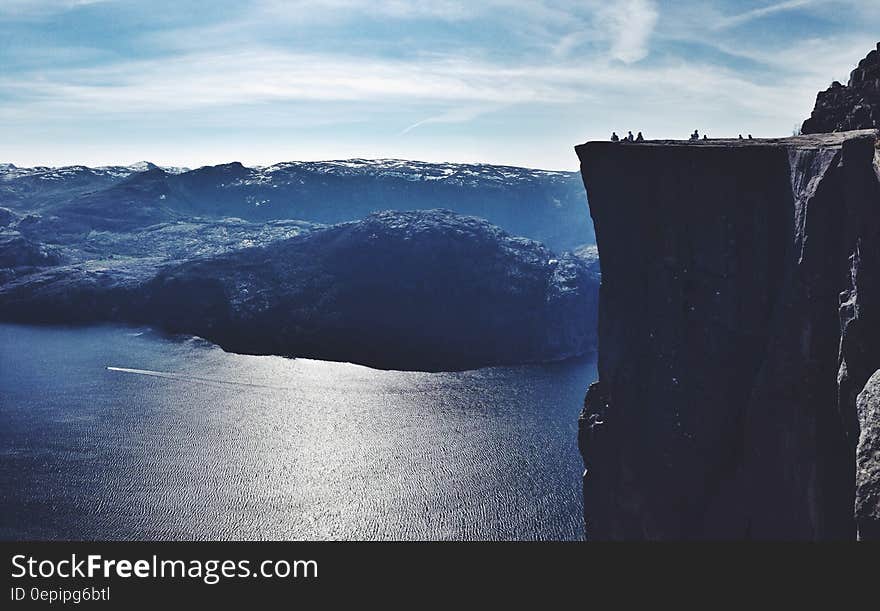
853 106
868 462
739 321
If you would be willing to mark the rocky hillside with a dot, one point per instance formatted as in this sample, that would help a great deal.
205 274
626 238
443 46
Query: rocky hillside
244 257
426 290
855 105
739 323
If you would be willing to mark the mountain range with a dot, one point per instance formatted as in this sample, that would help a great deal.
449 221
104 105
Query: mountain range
393 264
66 204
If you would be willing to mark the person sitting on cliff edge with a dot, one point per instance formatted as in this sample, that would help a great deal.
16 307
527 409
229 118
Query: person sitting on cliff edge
695 135
640 137
630 137
615 137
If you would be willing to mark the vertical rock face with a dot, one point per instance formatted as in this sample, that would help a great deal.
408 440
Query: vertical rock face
868 462
739 320
854 106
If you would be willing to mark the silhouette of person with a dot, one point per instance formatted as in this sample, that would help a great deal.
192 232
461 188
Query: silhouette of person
640 137
705 137
740 136
695 135
630 136
615 137
750 137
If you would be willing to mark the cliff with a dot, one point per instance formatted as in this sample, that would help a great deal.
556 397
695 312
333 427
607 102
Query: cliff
855 105
739 319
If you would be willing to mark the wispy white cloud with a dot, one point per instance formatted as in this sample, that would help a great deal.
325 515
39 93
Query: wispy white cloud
631 24
462 88
306 10
453 115
253 76
761 12
36 8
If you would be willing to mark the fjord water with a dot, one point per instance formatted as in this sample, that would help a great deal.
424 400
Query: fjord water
181 440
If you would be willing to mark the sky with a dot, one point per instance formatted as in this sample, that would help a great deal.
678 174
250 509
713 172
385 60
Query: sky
192 83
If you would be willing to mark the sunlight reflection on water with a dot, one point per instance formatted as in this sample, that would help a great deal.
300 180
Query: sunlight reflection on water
114 433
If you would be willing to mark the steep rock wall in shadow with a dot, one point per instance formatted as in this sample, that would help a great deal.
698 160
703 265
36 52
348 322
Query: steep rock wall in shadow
738 323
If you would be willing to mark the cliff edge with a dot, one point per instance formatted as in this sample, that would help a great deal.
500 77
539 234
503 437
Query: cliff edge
739 321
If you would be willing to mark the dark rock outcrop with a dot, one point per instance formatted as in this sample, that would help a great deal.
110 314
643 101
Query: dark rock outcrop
853 106
16 251
427 290
868 462
739 320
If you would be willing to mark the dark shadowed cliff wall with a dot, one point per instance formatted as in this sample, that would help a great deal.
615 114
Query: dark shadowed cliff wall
738 323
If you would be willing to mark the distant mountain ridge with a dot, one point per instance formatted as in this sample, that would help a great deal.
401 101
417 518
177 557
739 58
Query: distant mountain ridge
10 170
67 203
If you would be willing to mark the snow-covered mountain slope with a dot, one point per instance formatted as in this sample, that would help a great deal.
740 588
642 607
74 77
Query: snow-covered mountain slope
453 173
548 206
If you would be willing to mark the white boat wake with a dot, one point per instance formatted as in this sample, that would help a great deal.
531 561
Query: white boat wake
187 378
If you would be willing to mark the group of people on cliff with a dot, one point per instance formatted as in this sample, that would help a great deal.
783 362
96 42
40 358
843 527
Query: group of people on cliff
629 137
639 138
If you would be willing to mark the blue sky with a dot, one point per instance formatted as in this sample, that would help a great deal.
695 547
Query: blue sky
261 81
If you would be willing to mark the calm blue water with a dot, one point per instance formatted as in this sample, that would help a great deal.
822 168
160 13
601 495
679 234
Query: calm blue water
186 441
